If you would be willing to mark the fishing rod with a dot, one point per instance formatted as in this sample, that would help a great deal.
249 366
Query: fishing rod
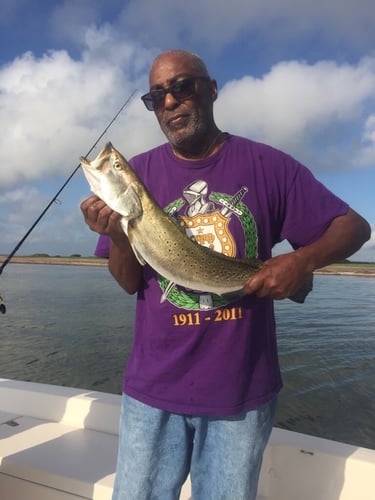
55 198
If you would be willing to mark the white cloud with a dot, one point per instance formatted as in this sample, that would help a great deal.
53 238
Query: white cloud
367 155
52 110
369 133
367 252
54 107
299 107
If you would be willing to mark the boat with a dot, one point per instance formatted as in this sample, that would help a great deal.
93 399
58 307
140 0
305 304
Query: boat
60 443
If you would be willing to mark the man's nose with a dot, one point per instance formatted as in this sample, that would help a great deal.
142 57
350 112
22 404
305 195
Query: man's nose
170 101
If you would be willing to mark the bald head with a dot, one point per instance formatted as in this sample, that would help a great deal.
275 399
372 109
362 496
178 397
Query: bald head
192 62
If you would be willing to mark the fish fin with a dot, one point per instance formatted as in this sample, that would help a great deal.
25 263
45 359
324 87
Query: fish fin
139 257
127 203
125 226
233 296
303 292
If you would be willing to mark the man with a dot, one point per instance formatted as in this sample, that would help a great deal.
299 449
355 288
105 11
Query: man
203 376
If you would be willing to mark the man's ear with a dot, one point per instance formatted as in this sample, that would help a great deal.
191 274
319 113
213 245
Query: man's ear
214 91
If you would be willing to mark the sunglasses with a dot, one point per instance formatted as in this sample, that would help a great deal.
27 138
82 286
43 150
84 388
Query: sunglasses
181 90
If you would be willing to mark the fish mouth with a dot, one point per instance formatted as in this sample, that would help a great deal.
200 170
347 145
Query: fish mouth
99 161
103 156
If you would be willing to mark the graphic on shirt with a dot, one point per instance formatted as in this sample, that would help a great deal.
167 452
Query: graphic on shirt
206 219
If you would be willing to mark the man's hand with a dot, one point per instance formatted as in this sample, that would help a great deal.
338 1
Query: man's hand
284 275
280 277
100 217
122 262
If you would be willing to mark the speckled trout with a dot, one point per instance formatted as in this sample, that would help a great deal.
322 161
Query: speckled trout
157 239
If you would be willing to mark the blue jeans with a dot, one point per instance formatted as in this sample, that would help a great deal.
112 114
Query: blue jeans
158 449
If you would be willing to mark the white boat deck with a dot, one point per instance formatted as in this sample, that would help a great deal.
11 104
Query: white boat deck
60 443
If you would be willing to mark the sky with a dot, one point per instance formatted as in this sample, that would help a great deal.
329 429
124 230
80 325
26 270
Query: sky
296 74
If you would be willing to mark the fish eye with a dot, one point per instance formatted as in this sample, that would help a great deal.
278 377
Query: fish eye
117 165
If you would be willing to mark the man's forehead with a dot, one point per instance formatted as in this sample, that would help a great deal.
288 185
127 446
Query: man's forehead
168 67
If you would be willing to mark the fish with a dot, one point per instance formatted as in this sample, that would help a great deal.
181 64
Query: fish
158 240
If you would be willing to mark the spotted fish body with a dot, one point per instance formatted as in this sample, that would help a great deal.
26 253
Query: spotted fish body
156 238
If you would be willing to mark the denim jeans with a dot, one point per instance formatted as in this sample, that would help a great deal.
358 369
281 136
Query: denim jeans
158 449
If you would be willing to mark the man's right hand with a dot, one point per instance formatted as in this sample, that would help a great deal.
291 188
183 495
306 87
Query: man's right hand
100 217
122 262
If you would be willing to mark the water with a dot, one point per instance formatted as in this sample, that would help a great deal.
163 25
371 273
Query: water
327 350
73 326
65 325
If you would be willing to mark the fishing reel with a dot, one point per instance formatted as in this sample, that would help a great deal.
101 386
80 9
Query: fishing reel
3 309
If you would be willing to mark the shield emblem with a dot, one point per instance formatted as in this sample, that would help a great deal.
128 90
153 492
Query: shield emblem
210 230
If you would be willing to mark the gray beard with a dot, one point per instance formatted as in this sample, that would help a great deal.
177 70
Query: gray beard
191 140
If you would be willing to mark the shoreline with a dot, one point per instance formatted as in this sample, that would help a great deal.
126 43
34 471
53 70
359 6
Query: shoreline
59 261
349 269
345 269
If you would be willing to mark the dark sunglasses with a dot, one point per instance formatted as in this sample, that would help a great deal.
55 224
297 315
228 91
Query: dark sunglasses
181 90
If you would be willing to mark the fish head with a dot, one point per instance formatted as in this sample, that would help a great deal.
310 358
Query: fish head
109 174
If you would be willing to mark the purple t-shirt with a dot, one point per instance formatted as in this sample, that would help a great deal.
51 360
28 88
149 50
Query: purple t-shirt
194 353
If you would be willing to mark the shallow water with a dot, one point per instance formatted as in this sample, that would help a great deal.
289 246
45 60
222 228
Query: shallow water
72 326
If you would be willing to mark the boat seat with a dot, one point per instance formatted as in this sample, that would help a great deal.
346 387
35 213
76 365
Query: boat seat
58 443
55 460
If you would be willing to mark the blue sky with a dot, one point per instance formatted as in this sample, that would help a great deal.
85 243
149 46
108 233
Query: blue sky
296 74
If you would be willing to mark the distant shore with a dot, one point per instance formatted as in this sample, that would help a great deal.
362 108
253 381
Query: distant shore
349 269
62 261
344 269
